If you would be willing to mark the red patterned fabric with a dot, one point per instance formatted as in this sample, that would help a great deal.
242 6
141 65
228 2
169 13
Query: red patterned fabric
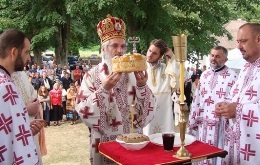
154 154
16 141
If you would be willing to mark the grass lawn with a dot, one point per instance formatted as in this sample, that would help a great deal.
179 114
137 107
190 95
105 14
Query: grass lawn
87 53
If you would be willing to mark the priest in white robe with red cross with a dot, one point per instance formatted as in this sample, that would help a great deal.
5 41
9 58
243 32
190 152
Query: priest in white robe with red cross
242 106
16 131
215 84
105 97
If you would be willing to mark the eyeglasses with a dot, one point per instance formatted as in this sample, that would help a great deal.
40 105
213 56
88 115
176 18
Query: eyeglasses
116 46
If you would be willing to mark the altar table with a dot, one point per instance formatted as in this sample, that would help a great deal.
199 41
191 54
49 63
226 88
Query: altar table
155 154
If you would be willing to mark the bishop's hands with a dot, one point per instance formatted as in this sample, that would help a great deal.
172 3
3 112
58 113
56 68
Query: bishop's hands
111 80
114 77
141 78
227 110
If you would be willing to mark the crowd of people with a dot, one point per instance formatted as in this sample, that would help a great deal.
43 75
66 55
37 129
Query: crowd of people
57 88
223 105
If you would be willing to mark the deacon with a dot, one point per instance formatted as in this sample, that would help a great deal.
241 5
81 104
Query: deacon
161 84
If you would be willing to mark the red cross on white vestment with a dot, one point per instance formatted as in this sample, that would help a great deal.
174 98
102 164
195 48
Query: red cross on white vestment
3 79
250 118
92 88
97 126
80 96
221 92
235 91
209 101
200 111
247 152
17 160
23 135
132 92
111 97
211 125
86 112
5 123
257 136
95 145
95 100
251 92
150 108
115 123
203 92
230 84
225 74
10 95
137 123
2 150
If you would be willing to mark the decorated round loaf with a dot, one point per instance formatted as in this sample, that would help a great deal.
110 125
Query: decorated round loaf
133 138
129 63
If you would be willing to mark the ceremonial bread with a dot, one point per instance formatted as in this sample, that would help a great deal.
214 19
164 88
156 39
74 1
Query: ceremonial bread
129 63
133 138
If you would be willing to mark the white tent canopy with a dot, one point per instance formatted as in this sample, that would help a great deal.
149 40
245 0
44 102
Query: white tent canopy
235 59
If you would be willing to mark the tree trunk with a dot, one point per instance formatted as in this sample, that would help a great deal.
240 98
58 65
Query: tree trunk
58 48
65 40
37 56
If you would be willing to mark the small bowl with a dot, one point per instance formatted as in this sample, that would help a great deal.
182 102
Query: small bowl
132 146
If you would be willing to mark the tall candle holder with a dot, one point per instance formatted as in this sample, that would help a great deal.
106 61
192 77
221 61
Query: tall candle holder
180 50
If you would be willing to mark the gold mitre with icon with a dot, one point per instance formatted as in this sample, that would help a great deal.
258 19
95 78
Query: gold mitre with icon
111 27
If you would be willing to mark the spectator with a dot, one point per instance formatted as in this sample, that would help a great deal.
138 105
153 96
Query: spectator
187 92
56 104
177 110
72 114
44 99
64 100
66 80
77 74
45 81
35 81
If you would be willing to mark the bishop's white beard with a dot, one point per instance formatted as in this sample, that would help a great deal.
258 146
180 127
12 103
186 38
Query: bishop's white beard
108 60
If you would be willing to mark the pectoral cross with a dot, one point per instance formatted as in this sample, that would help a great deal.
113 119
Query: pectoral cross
134 40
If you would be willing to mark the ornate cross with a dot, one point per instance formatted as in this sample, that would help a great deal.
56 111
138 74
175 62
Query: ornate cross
133 40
